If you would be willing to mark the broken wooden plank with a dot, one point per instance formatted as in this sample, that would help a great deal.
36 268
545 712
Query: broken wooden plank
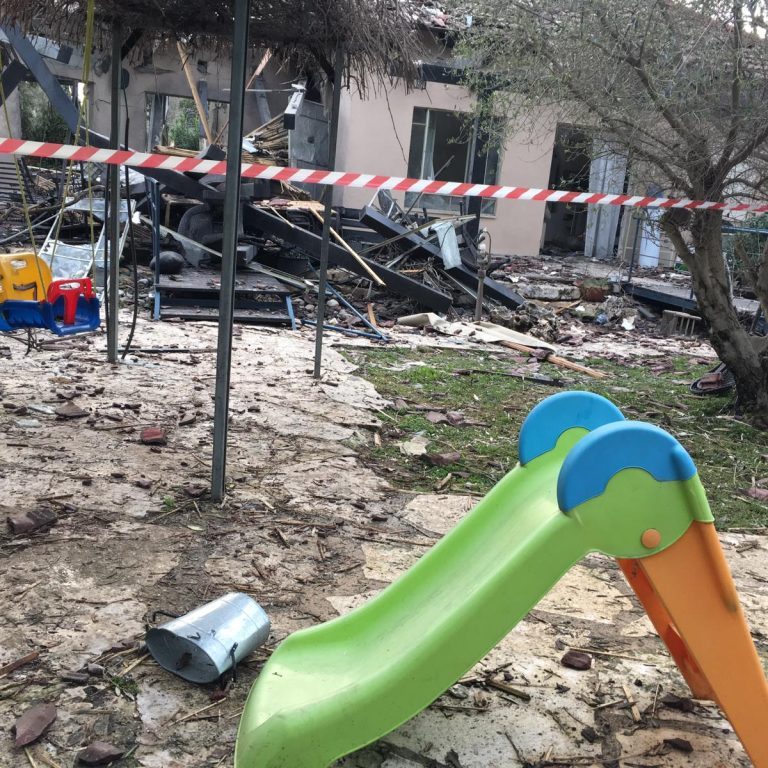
511 690
12 666
396 282
636 716
348 248
184 55
561 362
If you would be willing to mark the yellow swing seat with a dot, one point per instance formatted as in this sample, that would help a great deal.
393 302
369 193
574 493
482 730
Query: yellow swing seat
21 275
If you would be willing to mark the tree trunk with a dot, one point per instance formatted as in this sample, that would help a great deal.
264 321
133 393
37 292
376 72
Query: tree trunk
761 284
746 358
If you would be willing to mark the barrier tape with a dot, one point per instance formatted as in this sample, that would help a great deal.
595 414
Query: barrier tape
355 180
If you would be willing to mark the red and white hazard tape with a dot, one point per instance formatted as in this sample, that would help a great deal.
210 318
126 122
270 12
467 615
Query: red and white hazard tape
342 179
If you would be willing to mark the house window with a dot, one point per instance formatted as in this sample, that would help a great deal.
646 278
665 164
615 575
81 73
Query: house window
444 148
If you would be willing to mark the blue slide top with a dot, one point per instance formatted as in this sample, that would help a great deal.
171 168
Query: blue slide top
595 459
557 414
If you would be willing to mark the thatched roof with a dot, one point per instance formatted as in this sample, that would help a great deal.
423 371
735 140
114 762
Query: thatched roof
374 33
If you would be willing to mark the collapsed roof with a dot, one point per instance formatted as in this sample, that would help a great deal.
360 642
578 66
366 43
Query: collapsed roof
373 33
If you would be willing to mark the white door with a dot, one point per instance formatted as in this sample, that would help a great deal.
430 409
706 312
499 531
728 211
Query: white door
607 172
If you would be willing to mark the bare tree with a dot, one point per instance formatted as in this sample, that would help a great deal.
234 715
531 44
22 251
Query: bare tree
681 87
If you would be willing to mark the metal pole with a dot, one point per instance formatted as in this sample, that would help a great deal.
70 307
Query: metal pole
483 261
638 228
335 101
229 247
114 198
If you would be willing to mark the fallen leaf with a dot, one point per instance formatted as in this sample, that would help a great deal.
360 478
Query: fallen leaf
761 494
681 745
442 459
577 660
99 753
195 491
71 411
33 724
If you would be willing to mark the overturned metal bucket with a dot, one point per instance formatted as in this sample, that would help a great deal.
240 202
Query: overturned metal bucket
208 641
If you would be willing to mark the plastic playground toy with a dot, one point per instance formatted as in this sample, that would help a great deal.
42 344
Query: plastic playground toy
29 298
588 481
23 276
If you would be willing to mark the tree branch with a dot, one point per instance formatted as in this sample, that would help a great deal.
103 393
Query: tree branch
733 127
676 122
671 223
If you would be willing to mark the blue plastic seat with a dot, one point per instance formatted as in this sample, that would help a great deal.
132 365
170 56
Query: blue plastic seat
16 314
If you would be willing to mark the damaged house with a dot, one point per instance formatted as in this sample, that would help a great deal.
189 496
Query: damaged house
419 130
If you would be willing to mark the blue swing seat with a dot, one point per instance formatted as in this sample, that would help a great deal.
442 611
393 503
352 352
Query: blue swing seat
16 314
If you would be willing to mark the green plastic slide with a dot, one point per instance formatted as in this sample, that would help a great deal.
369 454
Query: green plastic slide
588 481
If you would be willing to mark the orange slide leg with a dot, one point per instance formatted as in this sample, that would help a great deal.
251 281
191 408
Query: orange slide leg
690 597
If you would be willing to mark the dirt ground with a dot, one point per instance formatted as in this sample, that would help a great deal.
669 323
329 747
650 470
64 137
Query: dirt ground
310 530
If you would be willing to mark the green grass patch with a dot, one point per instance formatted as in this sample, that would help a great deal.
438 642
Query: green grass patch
729 454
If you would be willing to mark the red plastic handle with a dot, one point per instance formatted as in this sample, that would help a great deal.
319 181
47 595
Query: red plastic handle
70 289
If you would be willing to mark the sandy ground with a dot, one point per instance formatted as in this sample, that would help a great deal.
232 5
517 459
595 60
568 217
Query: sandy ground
310 530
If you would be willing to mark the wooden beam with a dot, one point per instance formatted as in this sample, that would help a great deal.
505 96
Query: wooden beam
262 66
348 248
184 56
561 362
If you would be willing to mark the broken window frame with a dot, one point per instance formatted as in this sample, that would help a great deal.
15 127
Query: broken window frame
161 101
477 150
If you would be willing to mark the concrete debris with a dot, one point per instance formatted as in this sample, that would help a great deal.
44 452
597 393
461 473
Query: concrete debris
28 424
545 292
539 321
416 446
30 520
153 436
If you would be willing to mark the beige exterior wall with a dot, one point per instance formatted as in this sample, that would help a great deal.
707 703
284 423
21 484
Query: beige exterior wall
368 142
